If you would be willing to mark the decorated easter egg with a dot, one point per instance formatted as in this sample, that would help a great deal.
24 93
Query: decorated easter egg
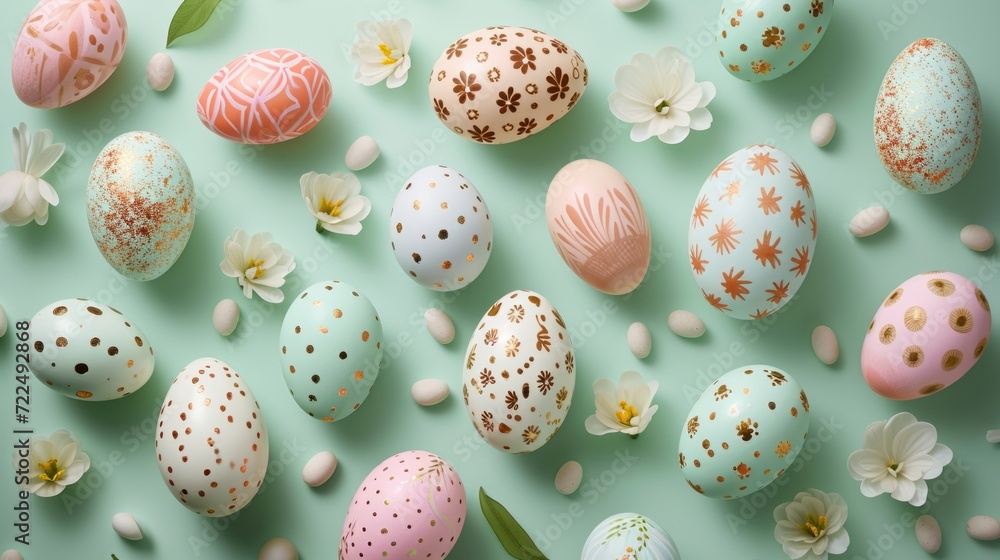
762 40
928 117
599 226
753 232
331 349
140 204
87 350
629 535
412 505
743 432
440 229
519 373
211 440
66 49
925 336
265 97
502 84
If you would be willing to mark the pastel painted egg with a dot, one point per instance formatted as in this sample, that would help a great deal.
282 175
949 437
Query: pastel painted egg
87 350
599 226
331 349
265 97
502 84
762 40
441 231
519 373
629 535
925 336
66 49
412 505
140 204
753 233
928 117
211 440
743 432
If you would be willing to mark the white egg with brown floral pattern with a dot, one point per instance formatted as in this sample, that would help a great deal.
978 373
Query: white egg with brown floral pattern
519 373
211 440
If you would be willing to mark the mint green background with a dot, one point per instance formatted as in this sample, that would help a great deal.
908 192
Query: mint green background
257 189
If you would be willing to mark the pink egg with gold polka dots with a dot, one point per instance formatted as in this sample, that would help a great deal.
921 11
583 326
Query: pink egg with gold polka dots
925 336
412 505
211 440
66 50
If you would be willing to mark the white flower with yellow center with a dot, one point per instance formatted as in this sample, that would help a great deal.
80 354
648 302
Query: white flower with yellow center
24 196
625 408
53 463
258 264
335 201
381 51
812 526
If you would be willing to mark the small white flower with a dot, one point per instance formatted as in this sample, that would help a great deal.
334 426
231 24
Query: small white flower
812 526
658 93
258 264
899 456
24 196
335 201
624 408
53 463
381 51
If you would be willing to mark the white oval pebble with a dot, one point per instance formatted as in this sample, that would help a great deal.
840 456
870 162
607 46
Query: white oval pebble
160 71
630 5
983 528
126 526
825 344
639 341
362 153
278 549
569 476
928 533
3 322
319 469
993 436
686 324
226 316
977 238
823 129
11 555
429 392
868 221
439 324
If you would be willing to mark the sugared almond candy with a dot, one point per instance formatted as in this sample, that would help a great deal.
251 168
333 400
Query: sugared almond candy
869 221
993 436
630 5
3 322
278 549
928 533
825 345
11 555
822 129
160 71
639 341
319 469
126 526
226 316
983 528
362 153
429 392
686 324
977 238
569 476
439 324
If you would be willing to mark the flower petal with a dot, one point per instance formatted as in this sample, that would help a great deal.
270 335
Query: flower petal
893 427
707 94
630 110
943 454
686 98
11 187
48 194
874 436
675 135
49 489
596 427
604 385
837 541
871 487
45 159
913 440
905 490
701 119
866 463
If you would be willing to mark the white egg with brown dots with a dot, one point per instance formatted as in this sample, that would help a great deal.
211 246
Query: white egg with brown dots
441 231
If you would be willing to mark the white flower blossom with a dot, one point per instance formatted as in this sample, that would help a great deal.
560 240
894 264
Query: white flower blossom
812 526
24 196
335 201
53 463
381 51
258 264
625 408
899 456
658 93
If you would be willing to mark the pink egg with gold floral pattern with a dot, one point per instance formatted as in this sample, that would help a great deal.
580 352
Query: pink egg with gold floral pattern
925 336
265 97
67 49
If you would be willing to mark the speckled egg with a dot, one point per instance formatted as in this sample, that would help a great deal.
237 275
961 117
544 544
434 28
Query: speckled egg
762 40
66 49
925 336
502 84
412 505
928 117
87 350
519 373
440 229
599 226
140 204
753 233
629 535
331 349
265 97
743 432
211 440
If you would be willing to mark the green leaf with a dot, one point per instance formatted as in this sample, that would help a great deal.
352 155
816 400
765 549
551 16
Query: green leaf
512 536
190 17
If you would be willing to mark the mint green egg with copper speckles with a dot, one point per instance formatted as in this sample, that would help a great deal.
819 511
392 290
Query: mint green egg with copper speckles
140 204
